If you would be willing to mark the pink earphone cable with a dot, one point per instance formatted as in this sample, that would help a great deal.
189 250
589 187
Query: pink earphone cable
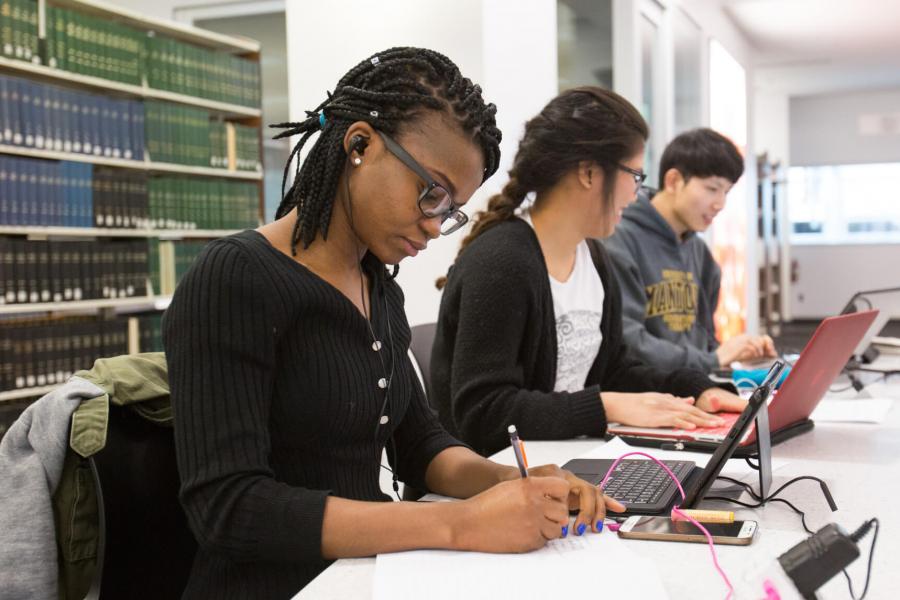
677 511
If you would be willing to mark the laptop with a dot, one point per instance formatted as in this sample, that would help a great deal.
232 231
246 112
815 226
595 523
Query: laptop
819 364
886 300
646 489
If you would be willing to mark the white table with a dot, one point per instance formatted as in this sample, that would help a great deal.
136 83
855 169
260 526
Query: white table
860 463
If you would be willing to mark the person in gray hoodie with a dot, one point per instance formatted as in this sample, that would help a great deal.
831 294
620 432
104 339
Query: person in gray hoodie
670 282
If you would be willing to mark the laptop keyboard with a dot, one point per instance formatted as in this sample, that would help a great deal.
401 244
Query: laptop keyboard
643 481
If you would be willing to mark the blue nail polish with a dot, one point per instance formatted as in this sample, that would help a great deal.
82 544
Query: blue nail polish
565 531
581 529
599 526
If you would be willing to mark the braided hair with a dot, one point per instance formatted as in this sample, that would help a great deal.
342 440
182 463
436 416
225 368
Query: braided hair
386 91
582 124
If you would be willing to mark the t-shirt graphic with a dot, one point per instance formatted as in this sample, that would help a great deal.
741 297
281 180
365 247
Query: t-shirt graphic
578 310
674 299
578 339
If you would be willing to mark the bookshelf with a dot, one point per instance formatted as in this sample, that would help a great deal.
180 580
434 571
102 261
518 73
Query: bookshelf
42 73
150 302
146 165
769 247
92 232
126 144
25 393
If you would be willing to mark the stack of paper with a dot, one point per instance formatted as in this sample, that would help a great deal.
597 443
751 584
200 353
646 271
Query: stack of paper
563 568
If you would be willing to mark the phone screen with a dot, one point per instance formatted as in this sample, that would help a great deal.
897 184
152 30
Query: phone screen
666 526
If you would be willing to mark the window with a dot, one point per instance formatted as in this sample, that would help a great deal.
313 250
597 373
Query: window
688 42
584 38
728 116
840 204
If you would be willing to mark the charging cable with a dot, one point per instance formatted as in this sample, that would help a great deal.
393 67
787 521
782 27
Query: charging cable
677 511
855 537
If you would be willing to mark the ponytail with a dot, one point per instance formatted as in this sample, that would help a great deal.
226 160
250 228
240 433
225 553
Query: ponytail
501 207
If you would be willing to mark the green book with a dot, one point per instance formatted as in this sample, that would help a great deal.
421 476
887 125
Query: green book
62 38
80 43
32 51
153 71
112 49
72 42
86 38
18 29
6 28
169 64
50 16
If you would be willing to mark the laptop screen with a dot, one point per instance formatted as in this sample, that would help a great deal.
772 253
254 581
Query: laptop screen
757 401
887 301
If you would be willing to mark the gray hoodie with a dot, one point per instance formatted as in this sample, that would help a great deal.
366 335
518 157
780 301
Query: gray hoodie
31 464
670 289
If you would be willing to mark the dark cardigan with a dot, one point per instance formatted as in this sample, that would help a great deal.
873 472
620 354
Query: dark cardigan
274 383
494 357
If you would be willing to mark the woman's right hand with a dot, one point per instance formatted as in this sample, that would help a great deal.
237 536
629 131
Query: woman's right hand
514 516
651 409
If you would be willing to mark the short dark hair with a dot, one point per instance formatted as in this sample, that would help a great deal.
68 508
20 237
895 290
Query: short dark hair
701 152
387 91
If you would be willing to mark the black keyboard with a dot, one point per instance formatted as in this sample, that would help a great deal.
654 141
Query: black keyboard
643 482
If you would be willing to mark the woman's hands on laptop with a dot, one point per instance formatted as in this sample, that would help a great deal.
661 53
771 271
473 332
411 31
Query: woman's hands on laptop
716 400
652 409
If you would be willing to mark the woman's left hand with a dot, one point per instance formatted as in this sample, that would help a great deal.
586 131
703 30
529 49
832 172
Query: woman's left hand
716 399
590 502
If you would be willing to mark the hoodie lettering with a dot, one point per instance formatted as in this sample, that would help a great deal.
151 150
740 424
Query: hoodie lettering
674 299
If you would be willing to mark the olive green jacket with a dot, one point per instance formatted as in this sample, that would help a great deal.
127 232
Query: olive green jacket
139 381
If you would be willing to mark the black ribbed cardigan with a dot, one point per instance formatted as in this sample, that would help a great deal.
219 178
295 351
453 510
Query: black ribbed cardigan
493 362
274 384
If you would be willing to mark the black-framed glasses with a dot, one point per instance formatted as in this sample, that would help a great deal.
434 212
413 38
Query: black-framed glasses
434 200
639 176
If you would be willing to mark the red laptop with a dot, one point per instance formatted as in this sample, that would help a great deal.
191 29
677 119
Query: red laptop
819 364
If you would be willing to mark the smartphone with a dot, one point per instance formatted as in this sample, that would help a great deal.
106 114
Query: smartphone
738 533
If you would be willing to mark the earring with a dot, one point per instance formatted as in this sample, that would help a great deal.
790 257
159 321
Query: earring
357 161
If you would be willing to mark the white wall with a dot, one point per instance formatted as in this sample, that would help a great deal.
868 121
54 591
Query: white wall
829 275
772 122
833 129
516 66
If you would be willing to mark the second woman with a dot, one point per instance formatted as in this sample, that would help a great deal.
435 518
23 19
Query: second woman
530 326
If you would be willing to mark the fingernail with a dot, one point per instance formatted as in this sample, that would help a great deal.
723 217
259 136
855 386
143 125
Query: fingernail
599 526
565 531
581 529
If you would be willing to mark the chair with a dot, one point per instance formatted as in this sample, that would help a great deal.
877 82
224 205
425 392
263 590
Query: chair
146 548
420 357
420 353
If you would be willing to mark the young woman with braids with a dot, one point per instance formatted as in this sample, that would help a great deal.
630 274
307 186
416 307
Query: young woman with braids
287 354
530 326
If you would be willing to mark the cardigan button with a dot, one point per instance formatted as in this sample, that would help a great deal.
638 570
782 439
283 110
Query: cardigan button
382 383
384 419
376 345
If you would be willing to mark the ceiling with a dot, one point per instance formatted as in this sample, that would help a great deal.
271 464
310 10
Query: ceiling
805 47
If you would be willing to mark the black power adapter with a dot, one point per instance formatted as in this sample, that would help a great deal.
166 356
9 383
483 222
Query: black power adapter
815 560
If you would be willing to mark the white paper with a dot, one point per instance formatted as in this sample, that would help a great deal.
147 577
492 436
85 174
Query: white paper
558 570
854 410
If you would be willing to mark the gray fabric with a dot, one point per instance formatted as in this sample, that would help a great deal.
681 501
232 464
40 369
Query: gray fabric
31 461
670 289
